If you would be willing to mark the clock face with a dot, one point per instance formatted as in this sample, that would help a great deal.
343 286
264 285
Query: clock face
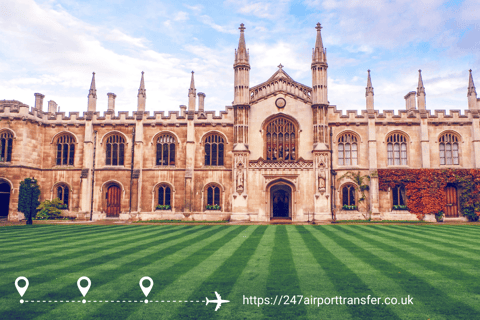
280 102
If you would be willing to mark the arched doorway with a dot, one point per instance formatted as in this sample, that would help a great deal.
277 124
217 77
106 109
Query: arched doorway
281 201
4 199
451 205
113 201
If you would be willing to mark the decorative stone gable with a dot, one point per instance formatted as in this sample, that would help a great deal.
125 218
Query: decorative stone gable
280 82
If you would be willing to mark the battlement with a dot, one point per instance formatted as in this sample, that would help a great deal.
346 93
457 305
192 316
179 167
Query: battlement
13 109
400 116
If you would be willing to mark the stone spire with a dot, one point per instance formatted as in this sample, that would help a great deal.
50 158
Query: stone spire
369 93
319 71
142 95
421 100
420 88
192 93
472 93
471 85
319 53
242 71
92 96
241 54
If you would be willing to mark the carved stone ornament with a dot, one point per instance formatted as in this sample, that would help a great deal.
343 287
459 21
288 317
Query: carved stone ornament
262 164
84 174
280 103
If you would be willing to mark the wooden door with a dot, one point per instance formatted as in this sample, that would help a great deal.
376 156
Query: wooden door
451 205
113 201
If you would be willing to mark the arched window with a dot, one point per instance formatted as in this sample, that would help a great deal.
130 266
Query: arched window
164 195
65 150
347 150
213 197
448 149
214 150
6 144
348 195
63 193
280 144
115 150
399 197
165 150
397 149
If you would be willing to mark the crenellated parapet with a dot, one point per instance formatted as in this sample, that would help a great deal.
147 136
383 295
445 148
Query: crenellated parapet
400 117
16 110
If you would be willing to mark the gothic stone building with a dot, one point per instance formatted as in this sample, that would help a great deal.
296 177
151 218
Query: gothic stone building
280 151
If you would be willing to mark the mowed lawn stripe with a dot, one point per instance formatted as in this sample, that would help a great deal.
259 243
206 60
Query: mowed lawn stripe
46 281
347 283
114 279
224 277
436 251
283 279
65 246
412 274
314 281
53 234
449 230
463 230
251 282
80 248
459 245
180 260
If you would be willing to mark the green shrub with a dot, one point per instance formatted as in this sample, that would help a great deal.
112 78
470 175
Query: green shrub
50 209
28 198
163 207
439 216
212 207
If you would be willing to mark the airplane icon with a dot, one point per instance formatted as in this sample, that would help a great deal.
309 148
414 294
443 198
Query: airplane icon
219 301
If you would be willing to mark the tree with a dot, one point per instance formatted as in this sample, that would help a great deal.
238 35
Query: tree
28 198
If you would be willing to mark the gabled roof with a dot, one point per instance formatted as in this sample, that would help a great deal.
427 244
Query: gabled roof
280 81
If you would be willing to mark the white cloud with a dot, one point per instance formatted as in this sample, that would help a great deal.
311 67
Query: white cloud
118 36
181 16
209 22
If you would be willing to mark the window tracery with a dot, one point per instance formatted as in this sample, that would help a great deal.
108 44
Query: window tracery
448 144
280 135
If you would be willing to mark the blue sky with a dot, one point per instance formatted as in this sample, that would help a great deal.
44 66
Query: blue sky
53 46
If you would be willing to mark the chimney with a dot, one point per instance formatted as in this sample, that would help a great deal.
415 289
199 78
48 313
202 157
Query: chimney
410 100
39 101
111 102
201 101
183 109
52 106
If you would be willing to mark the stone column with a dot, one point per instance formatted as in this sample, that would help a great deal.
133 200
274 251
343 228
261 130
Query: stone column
372 164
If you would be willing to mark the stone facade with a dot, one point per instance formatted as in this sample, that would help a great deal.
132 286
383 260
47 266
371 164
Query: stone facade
281 151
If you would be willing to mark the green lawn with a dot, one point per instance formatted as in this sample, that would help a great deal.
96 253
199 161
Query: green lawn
438 266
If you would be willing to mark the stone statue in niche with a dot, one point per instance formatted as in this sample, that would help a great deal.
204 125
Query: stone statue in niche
240 178
322 177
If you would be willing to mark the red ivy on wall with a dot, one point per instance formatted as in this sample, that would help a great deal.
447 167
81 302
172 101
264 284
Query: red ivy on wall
425 188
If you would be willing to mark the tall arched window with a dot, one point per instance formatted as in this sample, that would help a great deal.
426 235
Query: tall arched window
63 193
448 149
214 150
280 144
399 197
6 144
165 150
164 195
213 197
397 149
348 195
347 150
65 150
115 150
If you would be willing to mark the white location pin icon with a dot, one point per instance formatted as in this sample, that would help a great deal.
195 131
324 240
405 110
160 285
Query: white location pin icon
20 289
146 290
84 290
